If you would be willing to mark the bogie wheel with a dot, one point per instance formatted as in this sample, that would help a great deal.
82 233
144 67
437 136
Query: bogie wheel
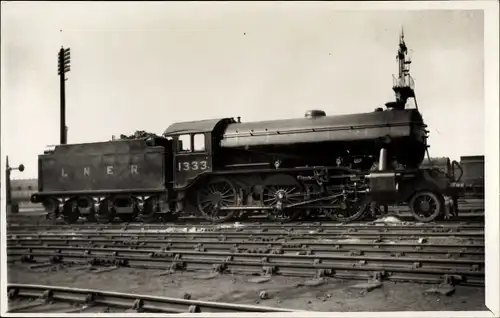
70 212
218 192
349 210
105 213
285 189
426 206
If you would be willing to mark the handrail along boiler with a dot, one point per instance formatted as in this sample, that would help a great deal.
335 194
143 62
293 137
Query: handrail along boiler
343 166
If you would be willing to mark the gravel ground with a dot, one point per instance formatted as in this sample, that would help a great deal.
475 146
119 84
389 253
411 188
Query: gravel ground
334 295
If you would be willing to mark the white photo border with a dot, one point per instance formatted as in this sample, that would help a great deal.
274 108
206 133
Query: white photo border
492 174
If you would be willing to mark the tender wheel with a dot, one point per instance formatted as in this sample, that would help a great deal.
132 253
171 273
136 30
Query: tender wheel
348 210
105 213
125 207
149 210
86 207
282 190
153 207
70 212
219 192
52 209
426 206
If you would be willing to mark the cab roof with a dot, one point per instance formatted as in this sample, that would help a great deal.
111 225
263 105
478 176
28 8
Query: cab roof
198 126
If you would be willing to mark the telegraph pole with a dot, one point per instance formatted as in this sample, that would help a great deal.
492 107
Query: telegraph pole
63 68
8 189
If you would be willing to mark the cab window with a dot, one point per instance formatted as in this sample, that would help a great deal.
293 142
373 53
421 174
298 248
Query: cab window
199 142
185 143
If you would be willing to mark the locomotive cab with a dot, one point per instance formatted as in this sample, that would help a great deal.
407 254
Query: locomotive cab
194 146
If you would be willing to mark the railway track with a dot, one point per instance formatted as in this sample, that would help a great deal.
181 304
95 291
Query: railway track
40 217
201 233
327 247
287 254
253 226
373 240
55 299
400 252
402 268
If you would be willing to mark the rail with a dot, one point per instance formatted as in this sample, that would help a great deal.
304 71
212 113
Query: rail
352 266
138 303
297 227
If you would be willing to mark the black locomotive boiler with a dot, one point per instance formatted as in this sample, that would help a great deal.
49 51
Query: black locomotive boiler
342 166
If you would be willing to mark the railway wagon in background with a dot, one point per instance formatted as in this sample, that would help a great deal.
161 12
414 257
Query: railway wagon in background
449 167
473 176
22 189
470 173
442 163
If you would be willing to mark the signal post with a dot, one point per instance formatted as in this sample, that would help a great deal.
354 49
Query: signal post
11 207
63 68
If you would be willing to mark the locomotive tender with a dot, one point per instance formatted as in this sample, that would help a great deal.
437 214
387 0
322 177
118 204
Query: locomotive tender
342 166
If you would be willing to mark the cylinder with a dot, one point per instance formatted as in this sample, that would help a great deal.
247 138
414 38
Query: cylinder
382 162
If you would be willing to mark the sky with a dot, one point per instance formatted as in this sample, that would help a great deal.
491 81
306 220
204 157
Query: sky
144 66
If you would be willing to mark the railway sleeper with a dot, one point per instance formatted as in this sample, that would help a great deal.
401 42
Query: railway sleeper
45 298
53 260
374 280
96 261
355 271
447 286
474 265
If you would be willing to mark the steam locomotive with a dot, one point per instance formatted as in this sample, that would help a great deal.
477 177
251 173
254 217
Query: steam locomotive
341 166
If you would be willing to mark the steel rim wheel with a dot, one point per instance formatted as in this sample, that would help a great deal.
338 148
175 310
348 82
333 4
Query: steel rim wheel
90 205
219 192
290 193
52 209
149 210
354 211
70 212
105 213
425 206
125 201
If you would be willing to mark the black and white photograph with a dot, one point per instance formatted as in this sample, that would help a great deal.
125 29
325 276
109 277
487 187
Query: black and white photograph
306 158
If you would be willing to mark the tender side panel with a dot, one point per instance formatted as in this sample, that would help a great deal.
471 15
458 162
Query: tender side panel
116 165
356 127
